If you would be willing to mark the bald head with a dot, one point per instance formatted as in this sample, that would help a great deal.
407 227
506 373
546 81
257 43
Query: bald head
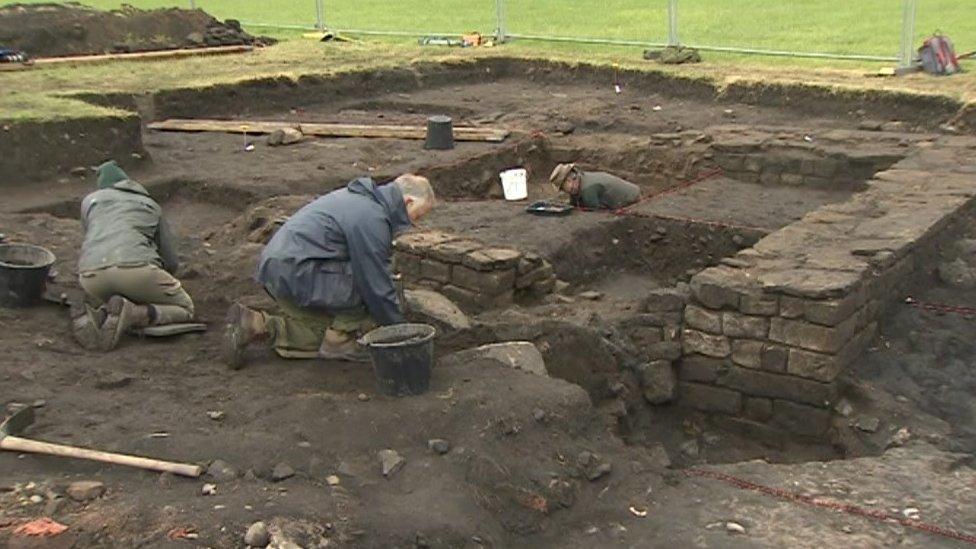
417 193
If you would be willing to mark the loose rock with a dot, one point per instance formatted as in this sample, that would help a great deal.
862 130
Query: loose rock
222 471
332 480
257 535
284 136
591 295
438 446
391 461
735 528
520 355
209 489
85 490
281 472
868 424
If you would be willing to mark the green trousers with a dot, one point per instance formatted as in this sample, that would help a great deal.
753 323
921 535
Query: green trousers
298 333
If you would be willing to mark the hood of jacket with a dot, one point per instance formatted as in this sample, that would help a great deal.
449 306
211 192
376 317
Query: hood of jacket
109 174
389 196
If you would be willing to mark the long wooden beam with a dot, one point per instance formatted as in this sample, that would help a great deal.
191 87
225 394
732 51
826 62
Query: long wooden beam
461 133
136 56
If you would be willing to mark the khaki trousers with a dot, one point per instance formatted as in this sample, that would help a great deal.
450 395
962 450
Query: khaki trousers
142 285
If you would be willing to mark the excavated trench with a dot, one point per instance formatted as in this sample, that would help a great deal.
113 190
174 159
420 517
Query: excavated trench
708 195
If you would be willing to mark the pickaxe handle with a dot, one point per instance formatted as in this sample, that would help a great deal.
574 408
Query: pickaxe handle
17 444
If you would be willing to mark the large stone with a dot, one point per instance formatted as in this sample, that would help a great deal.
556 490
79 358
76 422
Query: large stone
832 312
752 327
666 300
492 259
758 409
430 305
657 381
759 304
709 399
701 368
542 272
85 490
813 337
703 319
664 350
222 471
431 269
659 319
770 385
800 419
455 250
284 136
818 366
407 264
696 342
716 288
282 471
519 355
775 358
420 243
748 353
257 535
487 282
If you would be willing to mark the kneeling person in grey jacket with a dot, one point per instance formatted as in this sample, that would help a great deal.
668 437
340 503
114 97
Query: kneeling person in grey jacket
126 263
328 269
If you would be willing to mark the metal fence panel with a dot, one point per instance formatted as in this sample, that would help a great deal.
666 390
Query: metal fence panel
639 22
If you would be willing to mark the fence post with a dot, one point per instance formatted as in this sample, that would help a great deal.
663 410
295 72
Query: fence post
907 54
193 4
673 39
320 15
501 33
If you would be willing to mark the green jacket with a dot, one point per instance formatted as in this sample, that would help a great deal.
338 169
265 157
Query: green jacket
124 227
601 190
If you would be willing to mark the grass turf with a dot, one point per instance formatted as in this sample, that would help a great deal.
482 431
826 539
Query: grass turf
40 93
840 26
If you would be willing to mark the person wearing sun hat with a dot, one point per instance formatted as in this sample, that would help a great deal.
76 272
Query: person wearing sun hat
594 190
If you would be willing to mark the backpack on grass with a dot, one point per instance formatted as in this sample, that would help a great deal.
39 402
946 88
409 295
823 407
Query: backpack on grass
938 56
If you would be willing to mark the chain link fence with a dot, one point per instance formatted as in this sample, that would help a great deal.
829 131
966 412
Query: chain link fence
868 30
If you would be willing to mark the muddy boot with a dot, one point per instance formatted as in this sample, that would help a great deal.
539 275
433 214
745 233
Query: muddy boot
244 326
122 315
342 346
86 326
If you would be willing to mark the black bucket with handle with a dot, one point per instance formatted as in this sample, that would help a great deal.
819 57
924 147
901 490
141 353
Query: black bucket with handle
24 269
402 357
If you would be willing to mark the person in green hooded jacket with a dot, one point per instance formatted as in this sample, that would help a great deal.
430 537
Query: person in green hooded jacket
594 190
127 262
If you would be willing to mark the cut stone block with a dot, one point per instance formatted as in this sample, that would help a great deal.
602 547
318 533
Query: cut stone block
696 342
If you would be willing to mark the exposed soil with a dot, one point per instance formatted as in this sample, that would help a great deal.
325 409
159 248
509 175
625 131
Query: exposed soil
525 449
50 30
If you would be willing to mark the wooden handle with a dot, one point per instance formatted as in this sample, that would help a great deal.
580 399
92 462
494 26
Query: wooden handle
17 444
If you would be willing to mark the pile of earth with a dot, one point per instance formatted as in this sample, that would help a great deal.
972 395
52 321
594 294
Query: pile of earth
46 30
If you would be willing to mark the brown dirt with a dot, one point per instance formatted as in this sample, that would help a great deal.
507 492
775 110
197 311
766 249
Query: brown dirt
512 478
51 30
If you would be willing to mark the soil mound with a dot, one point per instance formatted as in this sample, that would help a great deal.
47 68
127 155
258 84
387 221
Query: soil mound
47 30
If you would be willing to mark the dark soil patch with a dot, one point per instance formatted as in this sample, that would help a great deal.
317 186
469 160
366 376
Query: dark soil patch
51 30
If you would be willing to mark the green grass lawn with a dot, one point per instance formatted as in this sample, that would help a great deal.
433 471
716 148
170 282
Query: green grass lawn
838 26
815 25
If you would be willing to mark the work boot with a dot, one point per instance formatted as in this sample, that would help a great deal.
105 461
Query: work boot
244 326
342 346
86 326
122 316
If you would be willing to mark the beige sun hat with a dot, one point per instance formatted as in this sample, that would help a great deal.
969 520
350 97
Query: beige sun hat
559 175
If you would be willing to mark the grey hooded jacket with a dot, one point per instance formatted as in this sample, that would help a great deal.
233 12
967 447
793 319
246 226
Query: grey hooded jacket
124 227
334 253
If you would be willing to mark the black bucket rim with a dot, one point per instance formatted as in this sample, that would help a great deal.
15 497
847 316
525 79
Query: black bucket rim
421 339
50 259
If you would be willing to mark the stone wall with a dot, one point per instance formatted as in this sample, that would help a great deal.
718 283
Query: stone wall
474 275
837 159
767 333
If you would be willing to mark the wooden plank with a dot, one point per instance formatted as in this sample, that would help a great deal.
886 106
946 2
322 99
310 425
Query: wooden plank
138 56
461 133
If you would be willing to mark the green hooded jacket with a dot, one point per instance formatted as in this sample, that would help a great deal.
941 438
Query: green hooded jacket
601 190
124 226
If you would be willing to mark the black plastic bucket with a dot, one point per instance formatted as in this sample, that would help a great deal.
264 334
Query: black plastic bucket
23 274
440 133
402 356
